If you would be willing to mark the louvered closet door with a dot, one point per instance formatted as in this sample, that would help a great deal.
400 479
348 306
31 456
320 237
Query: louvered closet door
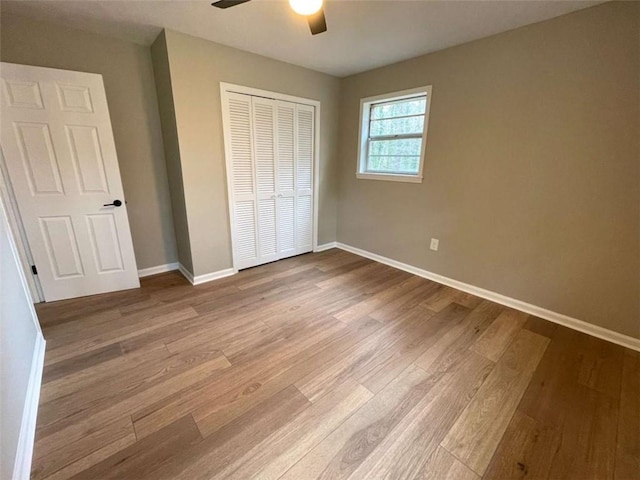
264 134
286 167
242 176
270 148
304 177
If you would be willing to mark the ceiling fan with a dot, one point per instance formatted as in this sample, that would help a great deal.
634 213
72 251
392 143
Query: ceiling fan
312 9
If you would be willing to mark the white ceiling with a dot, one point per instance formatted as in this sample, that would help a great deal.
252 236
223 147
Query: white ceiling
362 34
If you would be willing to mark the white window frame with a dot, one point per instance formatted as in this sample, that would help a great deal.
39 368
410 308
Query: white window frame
365 111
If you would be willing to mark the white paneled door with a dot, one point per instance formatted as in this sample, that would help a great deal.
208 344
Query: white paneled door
270 154
62 164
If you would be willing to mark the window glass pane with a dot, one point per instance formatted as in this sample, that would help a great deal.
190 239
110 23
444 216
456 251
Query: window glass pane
397 126
397 147
400 108
405 165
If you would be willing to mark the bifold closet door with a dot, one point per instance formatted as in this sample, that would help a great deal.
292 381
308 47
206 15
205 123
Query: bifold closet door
304 177
294 172
244 214
264 133
270 146
286 168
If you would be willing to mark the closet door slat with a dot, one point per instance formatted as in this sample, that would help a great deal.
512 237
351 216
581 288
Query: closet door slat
286 161
242 179
264 133
304 189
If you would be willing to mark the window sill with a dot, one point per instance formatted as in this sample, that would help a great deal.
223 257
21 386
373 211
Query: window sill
389 177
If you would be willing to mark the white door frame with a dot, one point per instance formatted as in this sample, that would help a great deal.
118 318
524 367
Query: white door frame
226 88
17 230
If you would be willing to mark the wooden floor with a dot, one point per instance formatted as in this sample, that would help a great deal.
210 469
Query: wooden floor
326 366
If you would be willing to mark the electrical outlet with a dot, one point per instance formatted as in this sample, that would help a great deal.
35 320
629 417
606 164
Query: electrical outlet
435 243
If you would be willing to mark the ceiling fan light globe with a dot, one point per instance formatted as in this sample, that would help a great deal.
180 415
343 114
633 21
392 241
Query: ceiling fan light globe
305 7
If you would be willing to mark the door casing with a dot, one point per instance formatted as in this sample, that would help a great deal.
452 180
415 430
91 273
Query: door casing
25 256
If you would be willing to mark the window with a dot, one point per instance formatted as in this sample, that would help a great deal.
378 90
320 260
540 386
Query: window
393 132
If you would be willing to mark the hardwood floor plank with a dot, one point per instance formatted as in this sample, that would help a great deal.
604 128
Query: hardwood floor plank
374 302
495 340
243 300
95 327
362 358
352 276
49 460
601 367
339 454
87 402
476 434
406 302
307 303
441 298
289 338
250 283
445 466
460 336
178 296
236 401
628 442
277 453
93 458
68 431
540 326
587 447
100 373
58 313
218 334
394 357
81 362
339 259
235 439
138 459
548 397
245 373
61 332
87 344
404 452
525 451
468 300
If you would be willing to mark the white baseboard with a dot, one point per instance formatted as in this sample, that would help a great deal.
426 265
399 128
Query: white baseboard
185 273
24 453
169 267
325 246
227 272
570 322
197 280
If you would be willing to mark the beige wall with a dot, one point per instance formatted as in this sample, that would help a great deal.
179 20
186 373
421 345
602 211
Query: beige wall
128 77
197 67
532 172
162 76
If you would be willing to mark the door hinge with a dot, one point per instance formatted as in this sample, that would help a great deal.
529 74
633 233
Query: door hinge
34 270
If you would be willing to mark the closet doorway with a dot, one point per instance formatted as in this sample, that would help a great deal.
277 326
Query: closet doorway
271 150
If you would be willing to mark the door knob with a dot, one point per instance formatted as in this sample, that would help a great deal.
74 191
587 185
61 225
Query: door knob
116 203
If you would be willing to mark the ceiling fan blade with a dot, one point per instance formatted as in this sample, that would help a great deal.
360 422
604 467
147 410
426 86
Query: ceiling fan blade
228 3
317 22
